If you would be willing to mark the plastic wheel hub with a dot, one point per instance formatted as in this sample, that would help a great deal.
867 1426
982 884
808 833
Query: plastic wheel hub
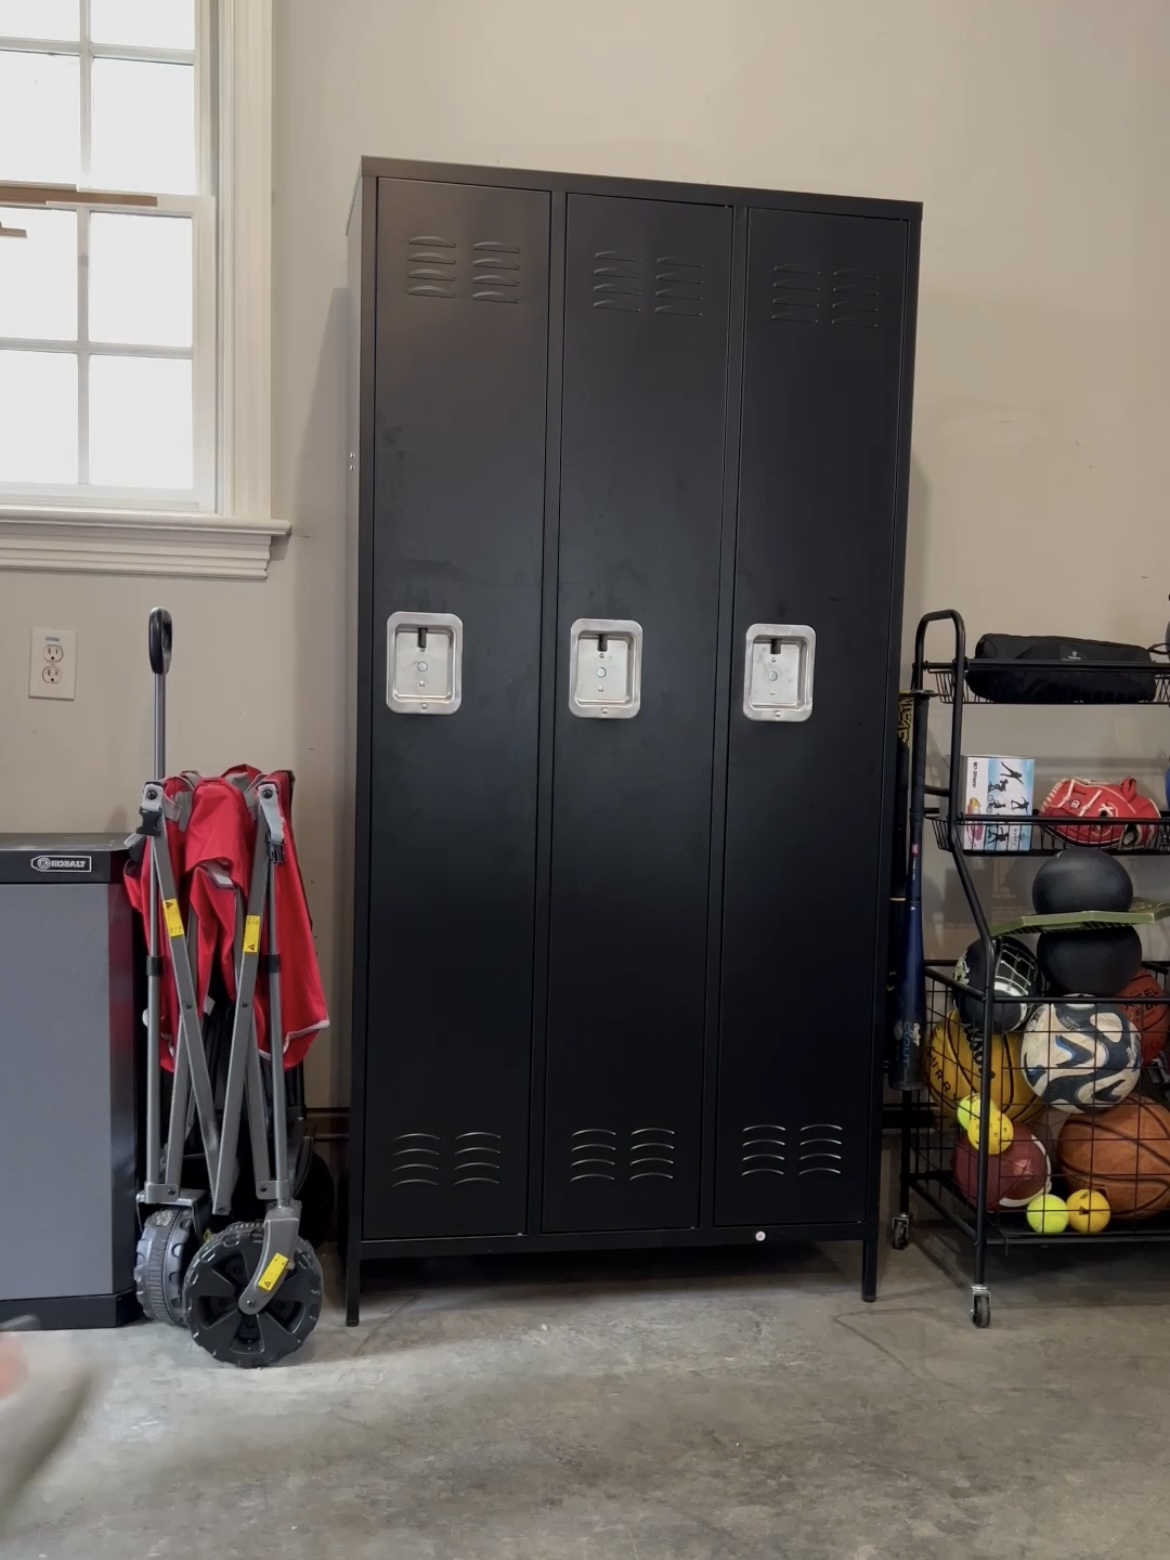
220 1273
165 1249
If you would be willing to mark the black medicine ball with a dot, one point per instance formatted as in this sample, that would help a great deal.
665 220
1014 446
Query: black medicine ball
1097 963
1081 878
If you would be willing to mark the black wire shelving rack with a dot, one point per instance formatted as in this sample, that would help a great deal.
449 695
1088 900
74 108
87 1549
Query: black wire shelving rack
930 1137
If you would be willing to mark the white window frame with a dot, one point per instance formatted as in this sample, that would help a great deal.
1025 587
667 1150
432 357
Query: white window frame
227 528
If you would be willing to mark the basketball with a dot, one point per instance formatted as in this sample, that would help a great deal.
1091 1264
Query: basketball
1088 1211
1097 962
1081 878
952 1071
1150 1015
1124 1153
1017 977
1081 1055
1014 1177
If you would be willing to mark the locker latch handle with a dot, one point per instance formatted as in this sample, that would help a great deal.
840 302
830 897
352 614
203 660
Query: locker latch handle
424 663
605 668
778 665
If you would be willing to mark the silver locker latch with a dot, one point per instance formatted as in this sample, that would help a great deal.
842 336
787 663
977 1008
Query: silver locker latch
424 663
778 671
605 668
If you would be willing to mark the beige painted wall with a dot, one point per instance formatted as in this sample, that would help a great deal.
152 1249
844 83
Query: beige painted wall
1035 131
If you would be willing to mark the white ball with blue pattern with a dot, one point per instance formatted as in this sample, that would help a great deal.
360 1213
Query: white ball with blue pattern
1081 1054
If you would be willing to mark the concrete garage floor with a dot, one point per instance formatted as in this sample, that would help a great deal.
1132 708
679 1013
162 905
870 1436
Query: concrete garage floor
686 1407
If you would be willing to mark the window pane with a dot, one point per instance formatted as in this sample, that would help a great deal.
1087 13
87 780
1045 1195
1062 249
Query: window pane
40 19
140 280
140 422
38 428
38 276
143 126
161 24
40 117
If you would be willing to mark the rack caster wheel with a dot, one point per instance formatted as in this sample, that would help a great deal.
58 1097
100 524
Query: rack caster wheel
165 1249
900 1231
980 1307
220 1272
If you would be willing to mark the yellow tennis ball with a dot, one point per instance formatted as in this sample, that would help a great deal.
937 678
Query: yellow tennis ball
1000 1132
1048 1214
967 1111
1088 1211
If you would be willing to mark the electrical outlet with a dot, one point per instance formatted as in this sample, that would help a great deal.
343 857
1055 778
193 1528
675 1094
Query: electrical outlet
52 664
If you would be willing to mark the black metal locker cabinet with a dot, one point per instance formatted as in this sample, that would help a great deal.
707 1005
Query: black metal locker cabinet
645 362
459 433
804 893
619 930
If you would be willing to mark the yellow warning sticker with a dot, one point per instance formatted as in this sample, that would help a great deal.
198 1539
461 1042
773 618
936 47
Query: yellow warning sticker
273 1274
174 917
252 934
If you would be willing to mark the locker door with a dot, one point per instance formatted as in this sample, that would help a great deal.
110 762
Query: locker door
646 299
462 323
805 820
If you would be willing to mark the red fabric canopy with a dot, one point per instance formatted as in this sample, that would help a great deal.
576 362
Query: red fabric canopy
212 861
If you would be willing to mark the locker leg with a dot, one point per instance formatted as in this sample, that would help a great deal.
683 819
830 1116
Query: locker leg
353 1279
869 1268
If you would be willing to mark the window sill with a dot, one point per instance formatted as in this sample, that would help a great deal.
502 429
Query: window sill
128 541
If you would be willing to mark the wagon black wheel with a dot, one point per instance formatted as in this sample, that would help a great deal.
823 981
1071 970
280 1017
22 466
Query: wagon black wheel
165 1249
900 1231
221 1272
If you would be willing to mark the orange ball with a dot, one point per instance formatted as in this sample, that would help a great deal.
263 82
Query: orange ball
1123 1152
1151 1018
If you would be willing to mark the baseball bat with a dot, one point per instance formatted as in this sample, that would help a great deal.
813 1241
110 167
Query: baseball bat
910 994
898 863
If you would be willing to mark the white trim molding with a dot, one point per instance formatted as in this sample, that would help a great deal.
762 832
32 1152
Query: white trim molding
234 540
109 541
245 256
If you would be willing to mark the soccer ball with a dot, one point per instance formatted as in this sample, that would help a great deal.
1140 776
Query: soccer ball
1079 1054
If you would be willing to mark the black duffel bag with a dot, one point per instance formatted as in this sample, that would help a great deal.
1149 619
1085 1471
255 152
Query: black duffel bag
1025 682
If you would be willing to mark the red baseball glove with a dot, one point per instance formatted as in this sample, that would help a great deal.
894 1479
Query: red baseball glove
1122 806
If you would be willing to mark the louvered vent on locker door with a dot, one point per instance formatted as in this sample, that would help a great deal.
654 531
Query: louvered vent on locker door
796 293
822 1148
678 286
856 298
593 1154
764 1149
418 1159
477 1159
432 266
652 1154
597 1154
495 272
617 281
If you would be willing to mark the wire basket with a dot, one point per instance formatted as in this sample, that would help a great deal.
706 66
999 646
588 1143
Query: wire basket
942 674
1030 834
1084 1117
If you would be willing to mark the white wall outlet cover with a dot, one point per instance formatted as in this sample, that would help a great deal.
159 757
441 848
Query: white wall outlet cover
52 664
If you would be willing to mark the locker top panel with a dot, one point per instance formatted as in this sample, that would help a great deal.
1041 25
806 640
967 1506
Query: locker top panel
640 189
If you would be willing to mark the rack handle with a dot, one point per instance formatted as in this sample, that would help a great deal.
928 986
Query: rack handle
160 638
